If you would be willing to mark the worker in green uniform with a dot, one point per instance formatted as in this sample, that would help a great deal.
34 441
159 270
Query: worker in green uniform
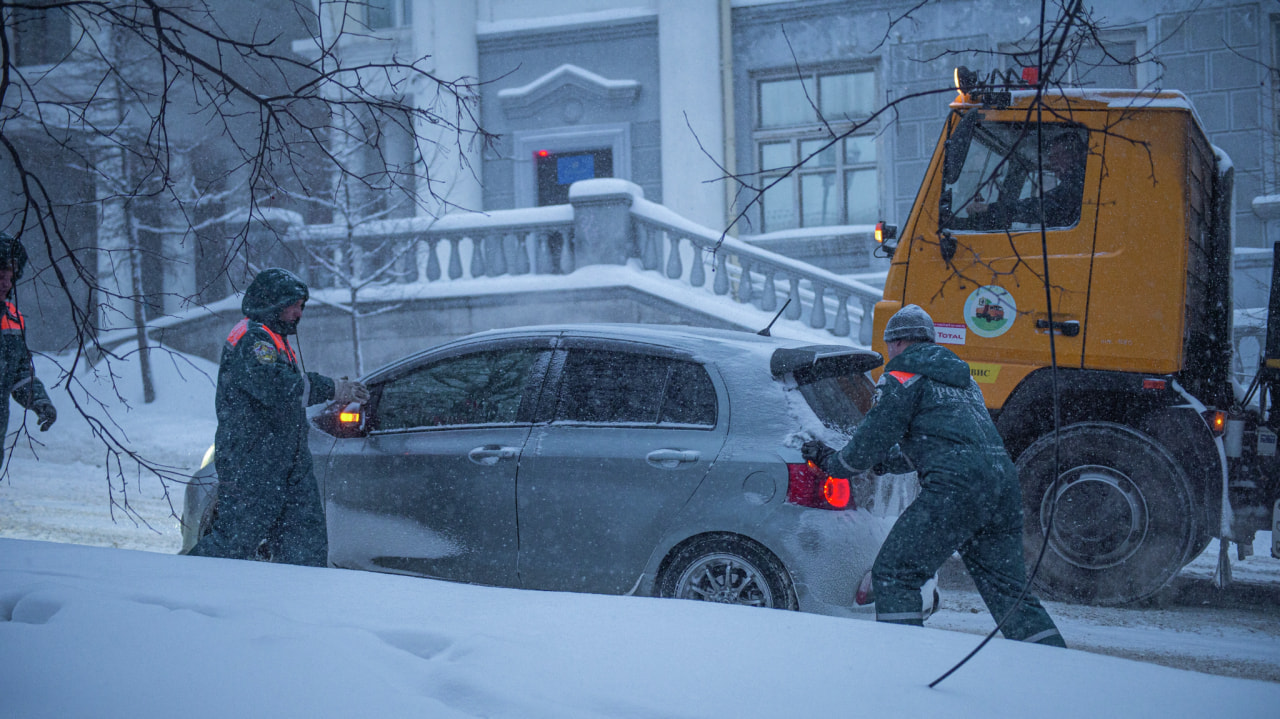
17 373
929 409
268 500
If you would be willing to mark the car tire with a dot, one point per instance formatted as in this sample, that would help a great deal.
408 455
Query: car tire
727 569
1123 519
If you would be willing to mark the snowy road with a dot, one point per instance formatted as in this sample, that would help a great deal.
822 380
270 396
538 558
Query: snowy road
1190 625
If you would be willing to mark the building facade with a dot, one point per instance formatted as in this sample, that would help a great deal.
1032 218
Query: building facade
675 95
681 97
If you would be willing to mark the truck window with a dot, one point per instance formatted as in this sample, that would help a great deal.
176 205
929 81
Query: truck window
999 185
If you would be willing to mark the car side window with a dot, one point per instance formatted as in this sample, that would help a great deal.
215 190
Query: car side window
998 188
478 388
690 396
607 386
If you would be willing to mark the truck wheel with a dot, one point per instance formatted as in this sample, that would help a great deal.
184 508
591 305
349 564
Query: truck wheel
1120 509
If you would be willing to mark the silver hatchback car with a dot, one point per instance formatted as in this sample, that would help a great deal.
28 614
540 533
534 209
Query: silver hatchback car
616 459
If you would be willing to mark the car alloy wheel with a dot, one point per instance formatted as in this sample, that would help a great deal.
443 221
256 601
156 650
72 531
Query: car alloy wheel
728 570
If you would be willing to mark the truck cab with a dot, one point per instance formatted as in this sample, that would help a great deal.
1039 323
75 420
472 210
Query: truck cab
1074 246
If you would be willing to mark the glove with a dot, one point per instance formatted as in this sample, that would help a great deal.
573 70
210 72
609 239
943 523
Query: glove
46 415
818 452
346 391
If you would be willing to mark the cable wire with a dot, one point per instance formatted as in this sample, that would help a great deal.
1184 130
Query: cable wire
1053 358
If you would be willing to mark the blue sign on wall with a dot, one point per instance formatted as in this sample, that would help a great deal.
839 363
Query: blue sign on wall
575 167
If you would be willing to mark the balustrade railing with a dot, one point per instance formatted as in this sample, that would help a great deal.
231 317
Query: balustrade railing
543 241
455 247
686 252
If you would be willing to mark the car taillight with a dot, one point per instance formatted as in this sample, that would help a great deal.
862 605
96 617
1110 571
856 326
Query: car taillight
809 486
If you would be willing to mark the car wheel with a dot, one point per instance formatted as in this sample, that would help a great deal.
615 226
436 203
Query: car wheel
730 570
1122 517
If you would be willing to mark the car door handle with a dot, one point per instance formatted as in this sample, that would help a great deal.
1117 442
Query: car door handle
489 454
669 458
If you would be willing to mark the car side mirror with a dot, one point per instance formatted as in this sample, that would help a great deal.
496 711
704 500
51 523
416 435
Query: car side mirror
343 421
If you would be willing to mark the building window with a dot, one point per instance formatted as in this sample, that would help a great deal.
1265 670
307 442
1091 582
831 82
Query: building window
387 14
838 183
556 171
40 36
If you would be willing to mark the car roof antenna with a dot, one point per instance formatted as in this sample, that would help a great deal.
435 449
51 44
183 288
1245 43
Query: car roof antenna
765 332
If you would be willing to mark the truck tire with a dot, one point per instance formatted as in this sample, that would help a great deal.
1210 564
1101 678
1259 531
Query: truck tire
1120 508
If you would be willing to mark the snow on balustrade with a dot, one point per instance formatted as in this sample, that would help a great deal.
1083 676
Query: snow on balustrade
669 243
548 241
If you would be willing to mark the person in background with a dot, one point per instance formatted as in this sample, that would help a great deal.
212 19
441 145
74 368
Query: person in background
17 373
931 410
267 494
1065 160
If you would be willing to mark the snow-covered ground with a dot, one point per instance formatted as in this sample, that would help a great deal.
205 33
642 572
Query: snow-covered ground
92 632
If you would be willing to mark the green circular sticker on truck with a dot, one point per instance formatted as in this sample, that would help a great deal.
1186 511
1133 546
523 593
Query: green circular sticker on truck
990 311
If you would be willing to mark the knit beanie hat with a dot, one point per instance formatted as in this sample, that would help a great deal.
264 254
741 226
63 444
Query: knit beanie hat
910 323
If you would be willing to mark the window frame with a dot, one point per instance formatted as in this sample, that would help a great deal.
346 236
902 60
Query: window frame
39 36
400 12
796 135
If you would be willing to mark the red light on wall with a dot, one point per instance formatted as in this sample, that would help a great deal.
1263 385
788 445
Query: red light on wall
543 153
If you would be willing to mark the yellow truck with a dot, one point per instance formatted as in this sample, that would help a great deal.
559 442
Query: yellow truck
1098 222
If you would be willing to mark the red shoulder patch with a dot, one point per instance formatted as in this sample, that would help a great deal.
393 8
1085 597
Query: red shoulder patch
902 377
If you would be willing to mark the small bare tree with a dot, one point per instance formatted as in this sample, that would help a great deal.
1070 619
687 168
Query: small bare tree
182 117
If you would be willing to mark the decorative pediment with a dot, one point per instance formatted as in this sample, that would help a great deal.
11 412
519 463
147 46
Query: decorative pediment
567 84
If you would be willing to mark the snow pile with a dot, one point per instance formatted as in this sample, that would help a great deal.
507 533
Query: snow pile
87 632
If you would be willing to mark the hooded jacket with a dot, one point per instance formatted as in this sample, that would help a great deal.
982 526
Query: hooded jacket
931 408
17 376
263 391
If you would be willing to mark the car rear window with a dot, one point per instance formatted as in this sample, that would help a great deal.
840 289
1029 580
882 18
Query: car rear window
840 402
608 386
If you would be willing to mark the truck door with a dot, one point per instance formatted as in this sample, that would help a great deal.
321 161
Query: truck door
976 262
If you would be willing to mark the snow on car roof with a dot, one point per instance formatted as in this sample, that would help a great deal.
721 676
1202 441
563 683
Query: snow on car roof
712 342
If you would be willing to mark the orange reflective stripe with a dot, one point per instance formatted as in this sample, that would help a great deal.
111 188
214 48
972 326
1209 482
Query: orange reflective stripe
12 321
901 376
238 331
281 346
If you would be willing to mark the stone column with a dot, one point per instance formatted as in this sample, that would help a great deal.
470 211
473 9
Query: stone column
448 34
690 86
602 230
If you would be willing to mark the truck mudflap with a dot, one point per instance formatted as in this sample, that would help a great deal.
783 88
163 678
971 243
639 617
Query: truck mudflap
1224 525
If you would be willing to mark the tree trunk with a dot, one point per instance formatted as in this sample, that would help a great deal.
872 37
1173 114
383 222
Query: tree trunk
139 311
355 335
